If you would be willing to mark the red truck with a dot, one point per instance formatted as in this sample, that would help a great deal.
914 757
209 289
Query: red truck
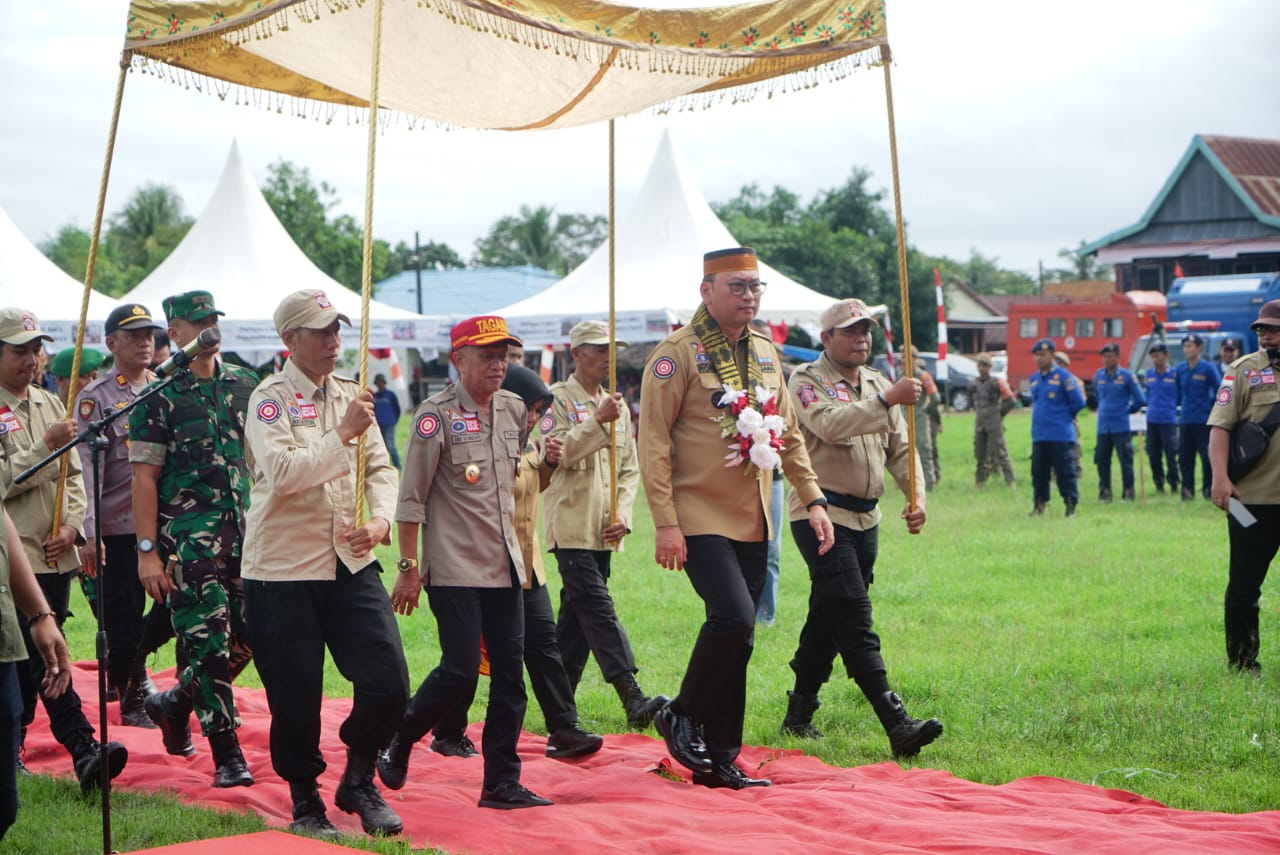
1079 327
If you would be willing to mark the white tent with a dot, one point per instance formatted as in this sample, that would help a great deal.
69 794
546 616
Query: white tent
660 242
238 251
31 281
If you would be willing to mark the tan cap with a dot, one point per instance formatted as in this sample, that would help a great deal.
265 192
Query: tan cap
983 359
846 313
1062 359
591 332
310 309
18 326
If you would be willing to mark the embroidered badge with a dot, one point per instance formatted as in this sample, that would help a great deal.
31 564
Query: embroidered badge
9 421
830 390
664 368
807 395
268 412
86 407
1224 396
295 412
308 411
428 425
842 393
122 381
548 422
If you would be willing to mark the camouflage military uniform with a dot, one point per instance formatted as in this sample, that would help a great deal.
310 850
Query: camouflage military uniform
194 431
992 399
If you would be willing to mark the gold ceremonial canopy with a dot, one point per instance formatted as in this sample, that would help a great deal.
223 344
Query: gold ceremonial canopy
510 65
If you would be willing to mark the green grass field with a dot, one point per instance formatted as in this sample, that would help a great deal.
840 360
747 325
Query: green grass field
1089 649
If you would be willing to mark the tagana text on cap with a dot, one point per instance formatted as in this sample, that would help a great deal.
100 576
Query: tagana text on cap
724 260
189 306
90 361
131 316
845 313
307 309
1268 315
18 326
590 332
481 331
1043 344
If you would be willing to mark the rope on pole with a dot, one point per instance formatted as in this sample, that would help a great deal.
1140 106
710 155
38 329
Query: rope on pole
366 260
886 59
613 338
125 58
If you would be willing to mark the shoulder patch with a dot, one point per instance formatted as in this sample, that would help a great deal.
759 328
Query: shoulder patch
428 425
664 368
269 412
807 394
86 407
548 422
1224 396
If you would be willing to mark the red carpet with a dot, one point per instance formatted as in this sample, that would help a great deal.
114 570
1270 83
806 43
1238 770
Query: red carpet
613 801
262 843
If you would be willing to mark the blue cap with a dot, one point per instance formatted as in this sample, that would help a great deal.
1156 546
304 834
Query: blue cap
1110 347
1158 347
1194 337
1043 344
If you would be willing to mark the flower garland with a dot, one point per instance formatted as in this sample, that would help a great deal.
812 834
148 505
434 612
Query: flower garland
756 434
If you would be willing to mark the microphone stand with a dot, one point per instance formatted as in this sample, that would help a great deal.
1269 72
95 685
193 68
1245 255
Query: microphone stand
94 437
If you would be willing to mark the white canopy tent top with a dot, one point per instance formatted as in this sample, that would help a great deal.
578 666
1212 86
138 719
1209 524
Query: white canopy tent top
239 252
31 281
660 242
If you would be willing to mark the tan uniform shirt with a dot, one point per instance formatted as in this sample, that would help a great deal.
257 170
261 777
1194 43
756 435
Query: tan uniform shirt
532 477
30 504
304 479
682 452
95 401
459 485
1249 389
577 507
851 437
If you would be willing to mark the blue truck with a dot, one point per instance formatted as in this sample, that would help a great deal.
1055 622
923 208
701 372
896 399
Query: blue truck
1233 301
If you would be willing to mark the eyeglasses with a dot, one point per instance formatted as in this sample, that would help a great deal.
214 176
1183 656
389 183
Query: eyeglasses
738 287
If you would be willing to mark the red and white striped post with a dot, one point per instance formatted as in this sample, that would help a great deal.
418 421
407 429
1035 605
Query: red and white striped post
941 373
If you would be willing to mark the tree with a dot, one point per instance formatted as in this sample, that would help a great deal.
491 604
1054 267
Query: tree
146 230
540 237
433 256
69 249
1082 266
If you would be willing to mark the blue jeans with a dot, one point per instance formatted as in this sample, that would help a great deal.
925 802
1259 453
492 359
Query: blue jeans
769 596
389 437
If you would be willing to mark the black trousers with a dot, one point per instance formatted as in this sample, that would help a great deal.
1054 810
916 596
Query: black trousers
839 617
1122 443
124 601
588 623
546 671
290 624
1194 442
1162 451
10 728
728 575
463 617
1252 551
1055 456
66 717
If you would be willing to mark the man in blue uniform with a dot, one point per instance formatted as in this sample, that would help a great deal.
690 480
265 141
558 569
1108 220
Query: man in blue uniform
1118 395
1162 418
1055 400
1197 385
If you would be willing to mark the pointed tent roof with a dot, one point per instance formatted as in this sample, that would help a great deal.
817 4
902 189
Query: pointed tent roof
660 242
239 252
30 280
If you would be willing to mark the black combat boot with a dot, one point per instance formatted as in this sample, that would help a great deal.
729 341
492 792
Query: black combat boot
357 794
1104 495
22 744
309 815
230 770
1071 509
639 707
393 762
906 734
171 710
1126 495
1038 510
799 718
133 698
86 756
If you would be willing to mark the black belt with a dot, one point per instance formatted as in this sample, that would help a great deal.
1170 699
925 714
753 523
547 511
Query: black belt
857 504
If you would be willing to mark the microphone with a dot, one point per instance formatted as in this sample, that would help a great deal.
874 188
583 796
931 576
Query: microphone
208 339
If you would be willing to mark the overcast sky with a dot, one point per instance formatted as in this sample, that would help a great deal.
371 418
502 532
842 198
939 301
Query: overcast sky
1023 128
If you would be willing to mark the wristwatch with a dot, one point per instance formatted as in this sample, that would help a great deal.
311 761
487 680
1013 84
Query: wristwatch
146 544
404 565
820 502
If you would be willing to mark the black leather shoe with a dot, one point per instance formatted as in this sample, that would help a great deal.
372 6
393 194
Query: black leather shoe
87 757
728 776
393 763
511 795
171 710
684 742
572 741
461 747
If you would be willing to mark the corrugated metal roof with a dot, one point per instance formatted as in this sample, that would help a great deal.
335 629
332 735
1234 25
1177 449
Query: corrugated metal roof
1255 164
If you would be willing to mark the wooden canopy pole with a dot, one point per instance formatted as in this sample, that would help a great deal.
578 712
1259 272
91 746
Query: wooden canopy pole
613 337
886 59
366 261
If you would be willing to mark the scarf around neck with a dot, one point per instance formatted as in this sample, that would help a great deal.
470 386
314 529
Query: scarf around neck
720 352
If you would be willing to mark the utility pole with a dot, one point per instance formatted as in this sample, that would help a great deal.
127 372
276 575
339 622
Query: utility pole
417 267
